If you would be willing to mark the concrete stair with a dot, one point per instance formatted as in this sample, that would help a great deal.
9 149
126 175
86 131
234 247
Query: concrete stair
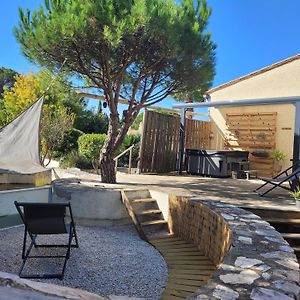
145 213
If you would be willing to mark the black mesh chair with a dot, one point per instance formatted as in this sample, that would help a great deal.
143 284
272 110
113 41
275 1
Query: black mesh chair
291 176
46 219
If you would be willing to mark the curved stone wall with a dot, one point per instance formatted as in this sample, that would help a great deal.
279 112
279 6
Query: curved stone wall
200 225
258 265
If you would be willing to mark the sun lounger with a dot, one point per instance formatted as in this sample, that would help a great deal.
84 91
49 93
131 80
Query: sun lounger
46 219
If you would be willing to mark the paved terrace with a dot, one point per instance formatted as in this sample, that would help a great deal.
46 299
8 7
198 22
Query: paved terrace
232 191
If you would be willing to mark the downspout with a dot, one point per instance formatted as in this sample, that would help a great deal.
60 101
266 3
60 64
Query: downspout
296 146
180 160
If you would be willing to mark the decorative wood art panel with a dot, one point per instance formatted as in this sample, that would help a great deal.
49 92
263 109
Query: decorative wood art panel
254 132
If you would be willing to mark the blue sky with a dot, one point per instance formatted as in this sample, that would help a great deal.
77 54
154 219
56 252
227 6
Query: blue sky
249 34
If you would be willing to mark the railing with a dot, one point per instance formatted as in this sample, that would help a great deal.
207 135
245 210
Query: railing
123 153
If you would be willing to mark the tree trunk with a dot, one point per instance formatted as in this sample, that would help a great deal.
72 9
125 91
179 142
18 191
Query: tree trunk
107 167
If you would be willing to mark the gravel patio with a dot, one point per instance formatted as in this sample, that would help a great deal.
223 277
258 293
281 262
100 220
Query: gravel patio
110 260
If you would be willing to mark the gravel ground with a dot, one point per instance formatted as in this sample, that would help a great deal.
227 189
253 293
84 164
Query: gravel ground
110 260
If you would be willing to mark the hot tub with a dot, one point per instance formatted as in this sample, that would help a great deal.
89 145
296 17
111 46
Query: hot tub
215 163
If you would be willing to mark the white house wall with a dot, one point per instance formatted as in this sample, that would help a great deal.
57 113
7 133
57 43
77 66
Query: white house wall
283 81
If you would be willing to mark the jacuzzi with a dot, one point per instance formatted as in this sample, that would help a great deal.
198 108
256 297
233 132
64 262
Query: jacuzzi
215 163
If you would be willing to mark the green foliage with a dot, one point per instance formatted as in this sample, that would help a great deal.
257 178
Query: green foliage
56 121
130 139
7 79
296 194
163 46
136 123
69 142
89 145
61 107
28 88
141 50
69 160
21 95
165 112
90 122
277 155
60 92
73 160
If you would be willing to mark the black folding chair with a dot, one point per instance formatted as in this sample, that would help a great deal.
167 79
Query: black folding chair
46 219
291 176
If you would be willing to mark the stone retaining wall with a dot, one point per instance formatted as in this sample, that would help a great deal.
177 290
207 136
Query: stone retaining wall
200 225
259 265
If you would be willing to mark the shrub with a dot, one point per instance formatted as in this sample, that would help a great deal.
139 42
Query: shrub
277 155
74 160
69 160
130 139
89 146
69 142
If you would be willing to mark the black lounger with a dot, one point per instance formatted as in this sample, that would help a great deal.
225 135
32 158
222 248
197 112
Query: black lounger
46 219
291 176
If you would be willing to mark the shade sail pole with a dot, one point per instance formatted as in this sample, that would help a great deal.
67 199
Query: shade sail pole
181 141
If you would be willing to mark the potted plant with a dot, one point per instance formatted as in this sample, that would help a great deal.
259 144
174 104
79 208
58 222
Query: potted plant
278 157
260 153
296 195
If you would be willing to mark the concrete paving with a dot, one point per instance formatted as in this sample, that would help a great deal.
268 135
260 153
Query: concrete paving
233 191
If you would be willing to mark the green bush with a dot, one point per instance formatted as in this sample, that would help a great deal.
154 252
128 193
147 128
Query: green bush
130 139
136 123
69 143
74 160
89 146
69 160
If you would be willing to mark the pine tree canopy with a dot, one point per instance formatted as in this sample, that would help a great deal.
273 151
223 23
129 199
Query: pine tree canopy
141 50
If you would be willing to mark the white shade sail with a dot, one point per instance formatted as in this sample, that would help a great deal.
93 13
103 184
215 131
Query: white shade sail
19 142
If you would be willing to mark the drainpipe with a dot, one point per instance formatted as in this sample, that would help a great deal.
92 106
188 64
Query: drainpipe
296 147
181 141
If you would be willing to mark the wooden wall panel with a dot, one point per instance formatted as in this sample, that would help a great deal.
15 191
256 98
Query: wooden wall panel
254 132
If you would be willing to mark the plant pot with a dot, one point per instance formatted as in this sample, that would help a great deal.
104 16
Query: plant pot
277 167
260 153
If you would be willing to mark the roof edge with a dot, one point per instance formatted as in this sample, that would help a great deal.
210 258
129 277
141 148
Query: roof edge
255 73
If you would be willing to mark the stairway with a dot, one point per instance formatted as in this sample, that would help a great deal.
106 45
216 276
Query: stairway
285 222
189 269
145 213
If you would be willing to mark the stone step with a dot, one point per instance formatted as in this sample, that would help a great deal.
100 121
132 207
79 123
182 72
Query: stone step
283 221
275 213
154 222
143 200
293 236
137 194
297 250
149 212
